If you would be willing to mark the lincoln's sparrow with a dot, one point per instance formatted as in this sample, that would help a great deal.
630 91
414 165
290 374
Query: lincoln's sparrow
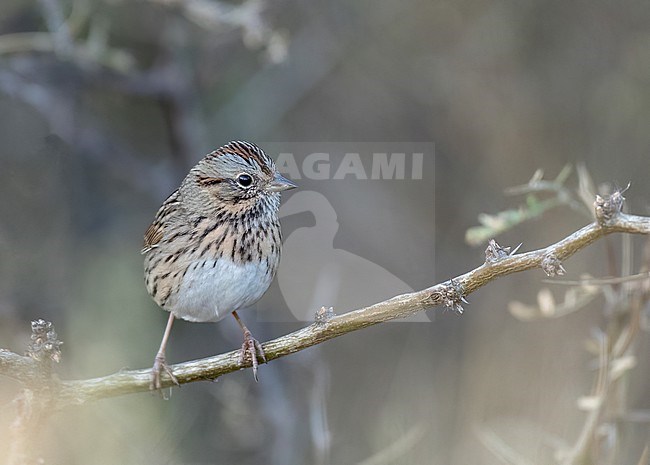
215 243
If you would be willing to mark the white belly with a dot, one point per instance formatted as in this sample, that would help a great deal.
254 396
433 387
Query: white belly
215 288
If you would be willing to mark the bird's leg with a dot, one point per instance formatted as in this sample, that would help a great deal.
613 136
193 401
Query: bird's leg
251 347
160 363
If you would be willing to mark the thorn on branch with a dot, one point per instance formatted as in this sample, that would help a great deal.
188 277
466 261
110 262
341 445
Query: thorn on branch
495 253
324 314
608 207
44 345
552 265
453 297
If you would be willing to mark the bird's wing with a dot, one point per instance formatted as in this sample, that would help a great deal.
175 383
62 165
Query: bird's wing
156 229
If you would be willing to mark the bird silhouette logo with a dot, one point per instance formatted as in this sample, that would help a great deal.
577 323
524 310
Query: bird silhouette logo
314 273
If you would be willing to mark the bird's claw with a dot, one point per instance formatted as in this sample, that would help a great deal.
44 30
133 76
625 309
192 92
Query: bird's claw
160 365
251 348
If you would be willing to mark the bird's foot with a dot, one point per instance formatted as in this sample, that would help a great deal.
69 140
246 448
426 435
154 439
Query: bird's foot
160 365
251 349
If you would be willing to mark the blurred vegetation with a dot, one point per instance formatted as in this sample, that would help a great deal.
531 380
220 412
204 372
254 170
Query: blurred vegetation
104 105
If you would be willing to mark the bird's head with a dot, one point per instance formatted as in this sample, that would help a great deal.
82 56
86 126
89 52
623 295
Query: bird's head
236 177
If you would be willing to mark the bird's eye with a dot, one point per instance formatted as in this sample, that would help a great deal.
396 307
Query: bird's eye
244 180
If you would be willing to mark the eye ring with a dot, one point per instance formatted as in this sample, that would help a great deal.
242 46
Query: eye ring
244 180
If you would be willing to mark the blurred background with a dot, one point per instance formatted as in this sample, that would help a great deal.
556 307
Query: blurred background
105 105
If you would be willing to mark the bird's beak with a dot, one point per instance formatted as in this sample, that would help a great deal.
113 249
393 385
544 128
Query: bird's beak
280 183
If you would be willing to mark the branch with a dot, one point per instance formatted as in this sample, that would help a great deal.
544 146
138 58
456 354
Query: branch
328 326
23 369
450 293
